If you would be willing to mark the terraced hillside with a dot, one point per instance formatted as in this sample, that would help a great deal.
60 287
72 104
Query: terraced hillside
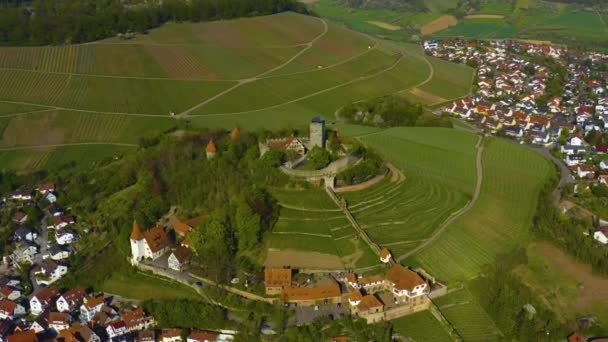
312 232
267 71
439 169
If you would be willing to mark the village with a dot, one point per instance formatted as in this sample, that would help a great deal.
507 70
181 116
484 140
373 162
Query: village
523 100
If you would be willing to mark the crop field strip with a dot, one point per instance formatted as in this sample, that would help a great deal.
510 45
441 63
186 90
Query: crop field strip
421 326
402 215
499 220
311 222
468 318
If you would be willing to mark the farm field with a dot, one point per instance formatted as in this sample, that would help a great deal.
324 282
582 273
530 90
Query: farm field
439 169
449 81
310 223
422 326
468 318
478 28
205 73
142 286
499 220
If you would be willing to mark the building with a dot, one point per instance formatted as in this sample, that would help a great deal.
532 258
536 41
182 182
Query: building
308 296
385 255
23 336
171 335
276 279
70 299
601 235
116 329
290 143
179 258
90 306
65 236
150 244
43 300
317 132
137 320
49 272
368 307
59 321
202 336
10 309
146 336
211 149
46 188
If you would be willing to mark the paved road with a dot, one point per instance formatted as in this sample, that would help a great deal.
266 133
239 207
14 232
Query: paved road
458 213
565 177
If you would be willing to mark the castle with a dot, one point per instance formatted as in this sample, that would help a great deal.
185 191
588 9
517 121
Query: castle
151 244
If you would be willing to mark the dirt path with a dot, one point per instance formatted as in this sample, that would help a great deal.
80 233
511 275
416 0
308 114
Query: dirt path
461 211
294 207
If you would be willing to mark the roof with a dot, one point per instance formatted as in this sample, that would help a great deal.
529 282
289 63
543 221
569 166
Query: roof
280 143
6 290
136 232
369 302
156 238
182 254
134 317
91 302
576 337
170 332
403 278
371 279
74 295
355 296
25 336
180 227
310 293
46 187
146 335
586 167
603 230
211 148
318 119
603 148
385 253
58 318
81 331
7 306
352 278
19 215
275 277
203 335
66 336
236 132
338 339
47 294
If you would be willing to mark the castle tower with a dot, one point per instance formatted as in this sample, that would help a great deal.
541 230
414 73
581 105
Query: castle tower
317 132
137 243
235 134
211 149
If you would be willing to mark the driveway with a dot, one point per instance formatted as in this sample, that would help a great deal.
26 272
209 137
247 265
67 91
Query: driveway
305 315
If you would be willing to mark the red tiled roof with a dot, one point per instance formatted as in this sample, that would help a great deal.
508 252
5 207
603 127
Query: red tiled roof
310 293
136 232
25 336
156 238
47 294
403 278
7 306
277 277
211 148
203 335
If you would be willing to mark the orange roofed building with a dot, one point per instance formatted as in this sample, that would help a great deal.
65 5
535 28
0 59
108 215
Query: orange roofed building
211 149
150 244
277 279
307 296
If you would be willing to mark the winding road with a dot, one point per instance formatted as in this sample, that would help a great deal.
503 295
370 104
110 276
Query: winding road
461 211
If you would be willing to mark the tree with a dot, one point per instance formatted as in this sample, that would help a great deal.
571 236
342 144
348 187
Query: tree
246 225
212 243
318 157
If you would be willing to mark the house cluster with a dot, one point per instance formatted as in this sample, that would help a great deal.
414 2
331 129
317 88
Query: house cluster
47 248
79 316
379 297
516 97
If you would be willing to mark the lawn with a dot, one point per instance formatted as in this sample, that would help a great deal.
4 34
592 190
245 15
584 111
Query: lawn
143 286
421 326
573 24
499 220
311 222
439 168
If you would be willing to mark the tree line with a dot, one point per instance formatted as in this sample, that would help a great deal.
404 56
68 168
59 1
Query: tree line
43 22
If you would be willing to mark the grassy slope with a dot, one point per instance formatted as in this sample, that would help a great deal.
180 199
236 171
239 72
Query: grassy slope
439 170
449 80
500 219
316 224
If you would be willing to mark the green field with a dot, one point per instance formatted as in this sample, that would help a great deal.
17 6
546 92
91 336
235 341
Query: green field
439 169
449 81
479 28
142 286
311 222
499 220
468 318
421 326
